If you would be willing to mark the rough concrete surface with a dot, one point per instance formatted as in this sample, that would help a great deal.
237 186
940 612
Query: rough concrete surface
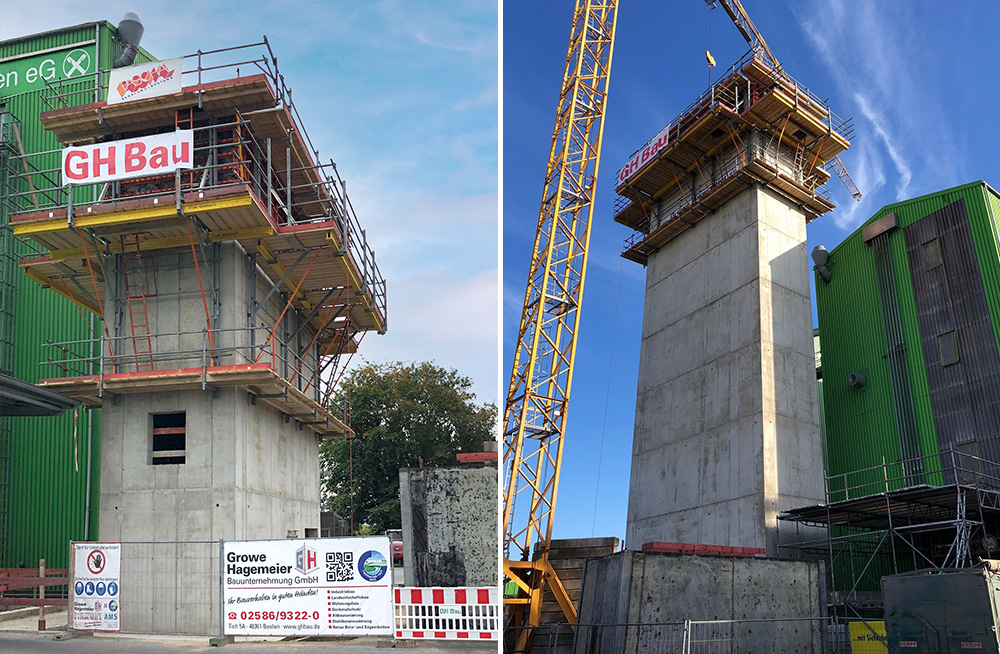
727 420
450 525
656 588
248 472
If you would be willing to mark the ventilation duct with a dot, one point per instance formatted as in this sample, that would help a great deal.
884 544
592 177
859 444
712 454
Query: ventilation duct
820 258
130 31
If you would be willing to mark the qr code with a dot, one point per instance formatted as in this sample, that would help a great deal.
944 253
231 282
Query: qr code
339 566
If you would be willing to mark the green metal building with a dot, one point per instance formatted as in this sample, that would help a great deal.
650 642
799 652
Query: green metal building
49 467
909 315
913 308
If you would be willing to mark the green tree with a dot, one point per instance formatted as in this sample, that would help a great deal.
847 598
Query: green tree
401 413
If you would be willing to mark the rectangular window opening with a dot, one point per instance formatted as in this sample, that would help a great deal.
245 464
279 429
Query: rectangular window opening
168 439
932 254
948 348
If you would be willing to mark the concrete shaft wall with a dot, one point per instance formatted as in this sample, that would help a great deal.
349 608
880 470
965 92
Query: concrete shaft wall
247 474
652 589
176 313
727 424
450 525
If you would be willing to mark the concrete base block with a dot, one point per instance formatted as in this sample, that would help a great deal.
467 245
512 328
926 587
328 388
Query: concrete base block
218 641
658 589
71 634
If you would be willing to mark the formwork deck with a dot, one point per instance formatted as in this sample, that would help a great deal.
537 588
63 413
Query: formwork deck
689 215
230 213
908 507
85 123
752 97
259 379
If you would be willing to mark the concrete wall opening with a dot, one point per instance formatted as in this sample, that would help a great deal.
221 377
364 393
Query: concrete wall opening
168 438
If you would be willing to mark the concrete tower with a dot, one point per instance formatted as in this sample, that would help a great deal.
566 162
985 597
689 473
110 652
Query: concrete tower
726 427
230 272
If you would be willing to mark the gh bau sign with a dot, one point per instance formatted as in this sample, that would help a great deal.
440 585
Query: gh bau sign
138 157
30 73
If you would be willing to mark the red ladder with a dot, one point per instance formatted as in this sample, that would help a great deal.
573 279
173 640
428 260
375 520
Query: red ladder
138 313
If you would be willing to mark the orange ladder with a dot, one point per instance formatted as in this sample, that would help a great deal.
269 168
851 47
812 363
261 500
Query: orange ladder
138 312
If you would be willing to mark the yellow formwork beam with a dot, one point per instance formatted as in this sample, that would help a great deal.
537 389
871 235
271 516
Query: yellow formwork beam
158 212
63 291
161 243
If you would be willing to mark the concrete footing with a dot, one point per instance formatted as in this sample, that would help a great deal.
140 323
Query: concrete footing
658 592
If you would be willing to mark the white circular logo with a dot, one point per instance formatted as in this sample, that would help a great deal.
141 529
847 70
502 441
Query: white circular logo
76 63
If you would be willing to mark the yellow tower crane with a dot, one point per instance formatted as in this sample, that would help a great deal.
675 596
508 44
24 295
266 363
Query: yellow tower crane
538 395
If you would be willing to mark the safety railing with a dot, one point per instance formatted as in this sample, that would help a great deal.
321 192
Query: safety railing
933 469
199 68
184 350
812 635
729 91
668 208
226 155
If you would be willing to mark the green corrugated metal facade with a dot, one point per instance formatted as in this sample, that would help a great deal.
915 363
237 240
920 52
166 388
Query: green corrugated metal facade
49 457
860 426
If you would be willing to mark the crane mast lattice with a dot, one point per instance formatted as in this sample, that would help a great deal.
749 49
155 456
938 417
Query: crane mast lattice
541 377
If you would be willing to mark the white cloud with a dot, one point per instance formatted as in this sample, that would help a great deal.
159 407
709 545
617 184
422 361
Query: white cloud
863 45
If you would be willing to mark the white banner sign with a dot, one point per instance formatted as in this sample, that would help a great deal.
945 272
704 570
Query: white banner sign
145 81
138 157
645 155
311 587
96 580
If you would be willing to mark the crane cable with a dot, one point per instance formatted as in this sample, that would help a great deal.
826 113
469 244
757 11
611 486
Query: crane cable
607 396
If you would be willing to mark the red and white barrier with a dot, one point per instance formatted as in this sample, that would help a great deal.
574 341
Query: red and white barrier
447 613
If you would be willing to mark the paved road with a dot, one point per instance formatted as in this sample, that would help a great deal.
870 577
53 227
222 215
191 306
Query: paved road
12 642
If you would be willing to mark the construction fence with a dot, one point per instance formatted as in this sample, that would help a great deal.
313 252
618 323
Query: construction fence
171 588
175 588
778 636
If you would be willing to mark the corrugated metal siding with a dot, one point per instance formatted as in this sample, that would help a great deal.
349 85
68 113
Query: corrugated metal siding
51 40
860 429
50 455
950 296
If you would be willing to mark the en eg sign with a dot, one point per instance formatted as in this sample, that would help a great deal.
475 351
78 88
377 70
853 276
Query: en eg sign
138 157
31 73
95 585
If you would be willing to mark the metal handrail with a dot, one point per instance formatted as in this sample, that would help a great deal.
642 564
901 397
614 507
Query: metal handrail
78 356
719 92
326 199
927 469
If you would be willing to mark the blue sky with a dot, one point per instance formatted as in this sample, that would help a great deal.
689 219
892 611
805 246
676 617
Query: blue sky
916 77
403 96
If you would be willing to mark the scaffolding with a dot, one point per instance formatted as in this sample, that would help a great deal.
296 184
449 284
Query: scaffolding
9 148
755 124
887 519
314 286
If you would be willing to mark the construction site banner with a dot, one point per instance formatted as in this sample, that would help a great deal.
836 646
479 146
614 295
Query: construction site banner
139 157
94 588
145 81
311 587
